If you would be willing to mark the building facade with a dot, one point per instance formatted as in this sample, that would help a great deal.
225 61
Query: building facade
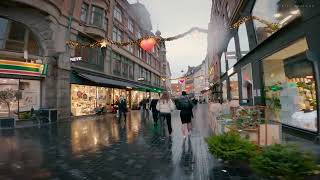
35 60
201 84
272 59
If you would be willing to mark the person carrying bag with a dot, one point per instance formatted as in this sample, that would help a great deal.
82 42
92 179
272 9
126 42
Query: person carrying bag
165 106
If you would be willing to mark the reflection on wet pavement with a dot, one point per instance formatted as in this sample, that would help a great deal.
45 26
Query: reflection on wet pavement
102 147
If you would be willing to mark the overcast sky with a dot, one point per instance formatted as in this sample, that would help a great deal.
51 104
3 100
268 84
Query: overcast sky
173 17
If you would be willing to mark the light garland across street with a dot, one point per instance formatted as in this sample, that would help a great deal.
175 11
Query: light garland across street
272 27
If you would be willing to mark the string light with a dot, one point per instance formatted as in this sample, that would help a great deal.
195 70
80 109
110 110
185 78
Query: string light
272 27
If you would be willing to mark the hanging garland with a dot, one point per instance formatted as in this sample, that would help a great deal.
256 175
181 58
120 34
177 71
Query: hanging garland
143 42
147 43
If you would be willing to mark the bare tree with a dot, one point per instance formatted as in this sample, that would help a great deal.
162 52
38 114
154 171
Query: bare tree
7 96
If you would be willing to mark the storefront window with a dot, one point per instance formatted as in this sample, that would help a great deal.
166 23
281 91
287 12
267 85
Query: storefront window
243 39
136 98
13 37
291 88
9 84
224 91
281 12
83 99
231 54
29 96
247 84
223 65
234 88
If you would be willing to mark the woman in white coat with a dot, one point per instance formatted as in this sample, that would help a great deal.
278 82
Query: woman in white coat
165 106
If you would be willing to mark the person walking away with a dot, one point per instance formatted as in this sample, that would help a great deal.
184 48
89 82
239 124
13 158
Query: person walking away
122 108
155 112
165 106
185 106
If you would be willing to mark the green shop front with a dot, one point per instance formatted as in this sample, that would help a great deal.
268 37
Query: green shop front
89 91
24 79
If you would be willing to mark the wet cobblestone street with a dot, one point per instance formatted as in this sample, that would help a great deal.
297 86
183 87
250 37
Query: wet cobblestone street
101 147
104 148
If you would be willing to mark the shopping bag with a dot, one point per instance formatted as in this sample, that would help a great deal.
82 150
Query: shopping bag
117 114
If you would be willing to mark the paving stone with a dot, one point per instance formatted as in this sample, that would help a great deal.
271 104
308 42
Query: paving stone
136 150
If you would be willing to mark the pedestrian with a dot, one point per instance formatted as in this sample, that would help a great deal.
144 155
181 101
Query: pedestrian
165 106
122 108
185 106
155 112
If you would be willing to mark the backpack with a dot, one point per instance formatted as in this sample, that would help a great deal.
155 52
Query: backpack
184 104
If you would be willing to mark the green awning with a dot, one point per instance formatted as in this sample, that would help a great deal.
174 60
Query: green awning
88 79
105 81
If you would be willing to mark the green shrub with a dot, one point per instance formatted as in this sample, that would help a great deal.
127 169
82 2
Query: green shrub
25 115
231 147
283 162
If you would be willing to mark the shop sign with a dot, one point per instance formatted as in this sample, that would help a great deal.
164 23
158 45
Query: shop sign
23 68
141 79
75 59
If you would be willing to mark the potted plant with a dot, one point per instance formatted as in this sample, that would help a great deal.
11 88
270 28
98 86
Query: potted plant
230 147
284 162
7 96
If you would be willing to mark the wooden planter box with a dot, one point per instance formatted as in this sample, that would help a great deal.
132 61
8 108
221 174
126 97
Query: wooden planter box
7 122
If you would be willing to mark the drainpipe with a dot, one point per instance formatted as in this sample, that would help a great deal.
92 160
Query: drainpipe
71 11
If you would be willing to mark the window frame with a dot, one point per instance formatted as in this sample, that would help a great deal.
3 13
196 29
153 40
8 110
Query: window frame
27 34
117 14
130 25
94 13
86 12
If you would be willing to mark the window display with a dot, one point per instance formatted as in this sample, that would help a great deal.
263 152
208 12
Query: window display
104 98
234 88
83 99
136 98
6 84
224 91
247 84
291 88
29 97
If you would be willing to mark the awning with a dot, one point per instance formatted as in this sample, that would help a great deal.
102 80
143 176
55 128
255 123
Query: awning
101 80
83 78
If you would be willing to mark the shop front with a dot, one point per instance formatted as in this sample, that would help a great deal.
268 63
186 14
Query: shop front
90 92
23 80
290 87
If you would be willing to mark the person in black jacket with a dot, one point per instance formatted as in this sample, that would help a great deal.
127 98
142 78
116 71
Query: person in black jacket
185 106
155 112
122 108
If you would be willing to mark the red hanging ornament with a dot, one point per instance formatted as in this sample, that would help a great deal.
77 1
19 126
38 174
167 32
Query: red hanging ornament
148 44
181 81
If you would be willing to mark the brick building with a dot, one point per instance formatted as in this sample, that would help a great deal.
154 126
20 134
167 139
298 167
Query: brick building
74 81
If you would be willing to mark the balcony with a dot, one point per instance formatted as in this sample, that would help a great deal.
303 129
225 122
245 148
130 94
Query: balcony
95 31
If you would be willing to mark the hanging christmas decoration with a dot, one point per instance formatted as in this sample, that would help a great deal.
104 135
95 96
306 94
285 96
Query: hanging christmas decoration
148 44
181 81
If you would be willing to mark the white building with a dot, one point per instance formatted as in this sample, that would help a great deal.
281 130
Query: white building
201 83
